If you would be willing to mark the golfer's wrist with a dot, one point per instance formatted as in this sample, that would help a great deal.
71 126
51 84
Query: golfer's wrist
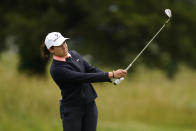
113 74
110 75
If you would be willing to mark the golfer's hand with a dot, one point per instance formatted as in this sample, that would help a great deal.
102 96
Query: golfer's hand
119 73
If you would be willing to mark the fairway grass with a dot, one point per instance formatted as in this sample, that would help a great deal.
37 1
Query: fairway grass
145 101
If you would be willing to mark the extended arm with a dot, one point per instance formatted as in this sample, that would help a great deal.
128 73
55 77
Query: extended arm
67 75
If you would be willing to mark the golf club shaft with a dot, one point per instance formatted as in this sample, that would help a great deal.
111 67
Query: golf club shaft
117 81
129 66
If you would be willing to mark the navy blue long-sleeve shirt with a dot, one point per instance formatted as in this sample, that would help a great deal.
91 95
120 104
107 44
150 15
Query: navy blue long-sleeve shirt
74 78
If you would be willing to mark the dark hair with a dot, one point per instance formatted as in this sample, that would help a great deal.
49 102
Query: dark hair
45 52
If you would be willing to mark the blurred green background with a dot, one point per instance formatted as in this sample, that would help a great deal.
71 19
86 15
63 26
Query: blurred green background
159 92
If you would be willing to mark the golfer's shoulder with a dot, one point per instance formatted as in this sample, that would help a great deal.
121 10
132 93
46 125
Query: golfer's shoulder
74 52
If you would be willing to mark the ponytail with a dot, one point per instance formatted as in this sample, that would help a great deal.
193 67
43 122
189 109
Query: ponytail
45 52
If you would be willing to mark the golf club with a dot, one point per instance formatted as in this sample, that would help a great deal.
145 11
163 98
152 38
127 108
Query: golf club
169 14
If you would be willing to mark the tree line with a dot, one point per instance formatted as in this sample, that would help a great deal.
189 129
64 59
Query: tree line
112 31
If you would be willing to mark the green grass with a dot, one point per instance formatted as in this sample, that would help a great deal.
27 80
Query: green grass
145 101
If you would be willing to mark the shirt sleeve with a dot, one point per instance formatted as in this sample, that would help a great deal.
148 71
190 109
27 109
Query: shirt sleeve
90 68
67 75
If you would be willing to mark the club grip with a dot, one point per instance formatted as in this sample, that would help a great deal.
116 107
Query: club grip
117 81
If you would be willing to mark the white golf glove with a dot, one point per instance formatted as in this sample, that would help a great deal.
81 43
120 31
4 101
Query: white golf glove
117 81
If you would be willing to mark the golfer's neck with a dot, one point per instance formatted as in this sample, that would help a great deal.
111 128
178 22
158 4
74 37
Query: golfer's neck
61 58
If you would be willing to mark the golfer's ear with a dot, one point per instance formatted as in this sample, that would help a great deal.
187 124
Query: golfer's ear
51 50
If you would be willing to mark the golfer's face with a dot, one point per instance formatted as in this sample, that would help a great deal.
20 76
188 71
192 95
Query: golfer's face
61 50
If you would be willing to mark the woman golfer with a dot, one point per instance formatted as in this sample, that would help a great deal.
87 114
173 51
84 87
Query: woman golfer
74 76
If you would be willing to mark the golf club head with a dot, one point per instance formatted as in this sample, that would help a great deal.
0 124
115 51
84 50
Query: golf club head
168 13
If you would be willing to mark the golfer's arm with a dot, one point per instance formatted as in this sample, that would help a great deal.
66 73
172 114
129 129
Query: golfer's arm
90 68
67 75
